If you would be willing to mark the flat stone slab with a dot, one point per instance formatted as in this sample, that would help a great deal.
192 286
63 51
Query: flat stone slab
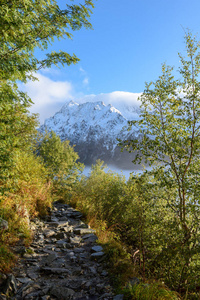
97 249
55 270
89 238
82 231
62 293
67 229
118 297
82 225
97 255
75 240
23 279
58 224
49 259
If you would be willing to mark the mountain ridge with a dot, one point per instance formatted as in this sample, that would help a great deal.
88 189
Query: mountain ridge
93 127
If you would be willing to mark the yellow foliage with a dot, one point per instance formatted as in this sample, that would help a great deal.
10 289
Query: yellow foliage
30 196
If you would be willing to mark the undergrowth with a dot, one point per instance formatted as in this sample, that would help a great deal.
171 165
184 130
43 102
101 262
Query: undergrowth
138 229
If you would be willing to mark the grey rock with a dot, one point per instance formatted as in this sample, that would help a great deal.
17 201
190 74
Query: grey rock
3 278
33 295
92 291
76 284
61 244
78 271
118 297
49 233
63 224
84 255
93 270
90 238
60 235
75 240
46 297
47 260
104 273
24 287
53 224
10 285
78 214
62 293
88 298
19 249
48 270
63 219
67 229
62 264
82 225
26 255
83 231
97 255
97 249
32 275
79 250
3 224
31 288
54 219
23 279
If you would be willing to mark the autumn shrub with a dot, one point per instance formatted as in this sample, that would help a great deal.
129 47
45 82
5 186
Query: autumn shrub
139 215
33 187
7 259
30 196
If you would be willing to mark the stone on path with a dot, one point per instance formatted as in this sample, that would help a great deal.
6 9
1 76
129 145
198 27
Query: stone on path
62 293
97 249
83 231
64 262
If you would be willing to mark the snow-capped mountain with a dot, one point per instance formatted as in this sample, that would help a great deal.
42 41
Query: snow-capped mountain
93 128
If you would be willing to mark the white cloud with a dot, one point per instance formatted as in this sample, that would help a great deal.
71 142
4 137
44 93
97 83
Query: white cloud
125 97
113 98
86 78
121 100
86 81
82 70
48 95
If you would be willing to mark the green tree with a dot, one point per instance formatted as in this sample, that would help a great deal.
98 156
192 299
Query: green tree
30 24
16 128
60 160
170 137
24 27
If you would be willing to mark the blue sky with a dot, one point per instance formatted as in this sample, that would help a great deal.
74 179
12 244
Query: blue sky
129 42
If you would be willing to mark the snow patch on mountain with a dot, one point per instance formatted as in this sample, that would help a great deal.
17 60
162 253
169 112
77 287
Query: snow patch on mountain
93 127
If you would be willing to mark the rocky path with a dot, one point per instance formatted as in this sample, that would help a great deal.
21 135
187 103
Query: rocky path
63 262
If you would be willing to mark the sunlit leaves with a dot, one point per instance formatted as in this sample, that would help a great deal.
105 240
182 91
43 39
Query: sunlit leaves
170 136
26 25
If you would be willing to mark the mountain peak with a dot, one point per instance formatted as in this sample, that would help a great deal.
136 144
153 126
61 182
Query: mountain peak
92 126
72 103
